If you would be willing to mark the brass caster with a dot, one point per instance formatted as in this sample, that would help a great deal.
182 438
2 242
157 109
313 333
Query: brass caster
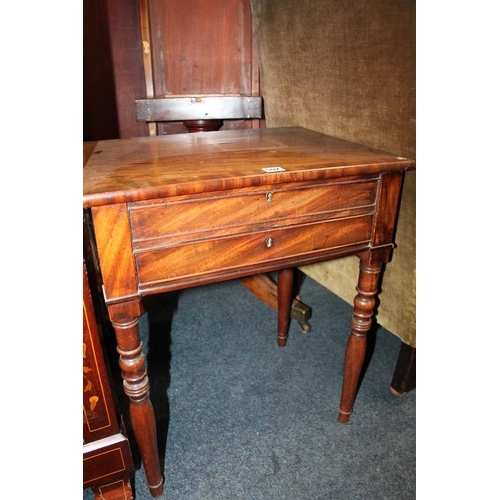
305 327
301 313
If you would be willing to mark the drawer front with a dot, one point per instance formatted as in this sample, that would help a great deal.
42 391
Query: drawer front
107 460
221 256
182 220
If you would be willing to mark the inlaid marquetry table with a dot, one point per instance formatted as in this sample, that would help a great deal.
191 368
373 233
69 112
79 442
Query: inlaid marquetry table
177 211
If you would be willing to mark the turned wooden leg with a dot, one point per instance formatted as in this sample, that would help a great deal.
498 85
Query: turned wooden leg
136 386
285 294
266 290
364 303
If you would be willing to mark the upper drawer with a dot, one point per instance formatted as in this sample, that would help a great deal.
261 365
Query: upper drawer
188 218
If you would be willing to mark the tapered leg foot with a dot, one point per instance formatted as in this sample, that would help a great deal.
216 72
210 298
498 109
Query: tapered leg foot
265 289
285 293
364 303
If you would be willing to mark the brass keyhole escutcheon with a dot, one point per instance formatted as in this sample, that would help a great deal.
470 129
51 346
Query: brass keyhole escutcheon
269 196
269 242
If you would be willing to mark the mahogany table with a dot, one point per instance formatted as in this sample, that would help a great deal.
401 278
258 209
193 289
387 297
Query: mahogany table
177 211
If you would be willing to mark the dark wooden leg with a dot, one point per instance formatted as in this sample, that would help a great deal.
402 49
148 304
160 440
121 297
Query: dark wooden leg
266 290
404 379
285 293
364 303
136 386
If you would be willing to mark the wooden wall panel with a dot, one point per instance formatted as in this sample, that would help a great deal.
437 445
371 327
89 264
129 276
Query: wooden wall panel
100 120
201 47
127 64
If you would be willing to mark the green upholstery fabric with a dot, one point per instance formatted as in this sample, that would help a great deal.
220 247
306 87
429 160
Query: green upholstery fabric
347 68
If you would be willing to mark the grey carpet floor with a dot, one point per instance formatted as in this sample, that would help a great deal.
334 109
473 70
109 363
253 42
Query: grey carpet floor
240 418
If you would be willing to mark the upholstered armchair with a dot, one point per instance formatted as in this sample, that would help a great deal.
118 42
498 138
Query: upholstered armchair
347 68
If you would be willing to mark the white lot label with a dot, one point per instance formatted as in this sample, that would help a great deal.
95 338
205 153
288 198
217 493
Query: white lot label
274 169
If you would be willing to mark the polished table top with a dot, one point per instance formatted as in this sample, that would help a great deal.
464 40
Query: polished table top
125 170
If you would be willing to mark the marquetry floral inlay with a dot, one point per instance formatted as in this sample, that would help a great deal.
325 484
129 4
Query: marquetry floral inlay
89 386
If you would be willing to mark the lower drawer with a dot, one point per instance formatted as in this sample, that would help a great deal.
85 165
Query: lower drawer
239 252
106 460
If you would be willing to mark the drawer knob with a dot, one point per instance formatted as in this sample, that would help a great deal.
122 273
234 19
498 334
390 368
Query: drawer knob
269 242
